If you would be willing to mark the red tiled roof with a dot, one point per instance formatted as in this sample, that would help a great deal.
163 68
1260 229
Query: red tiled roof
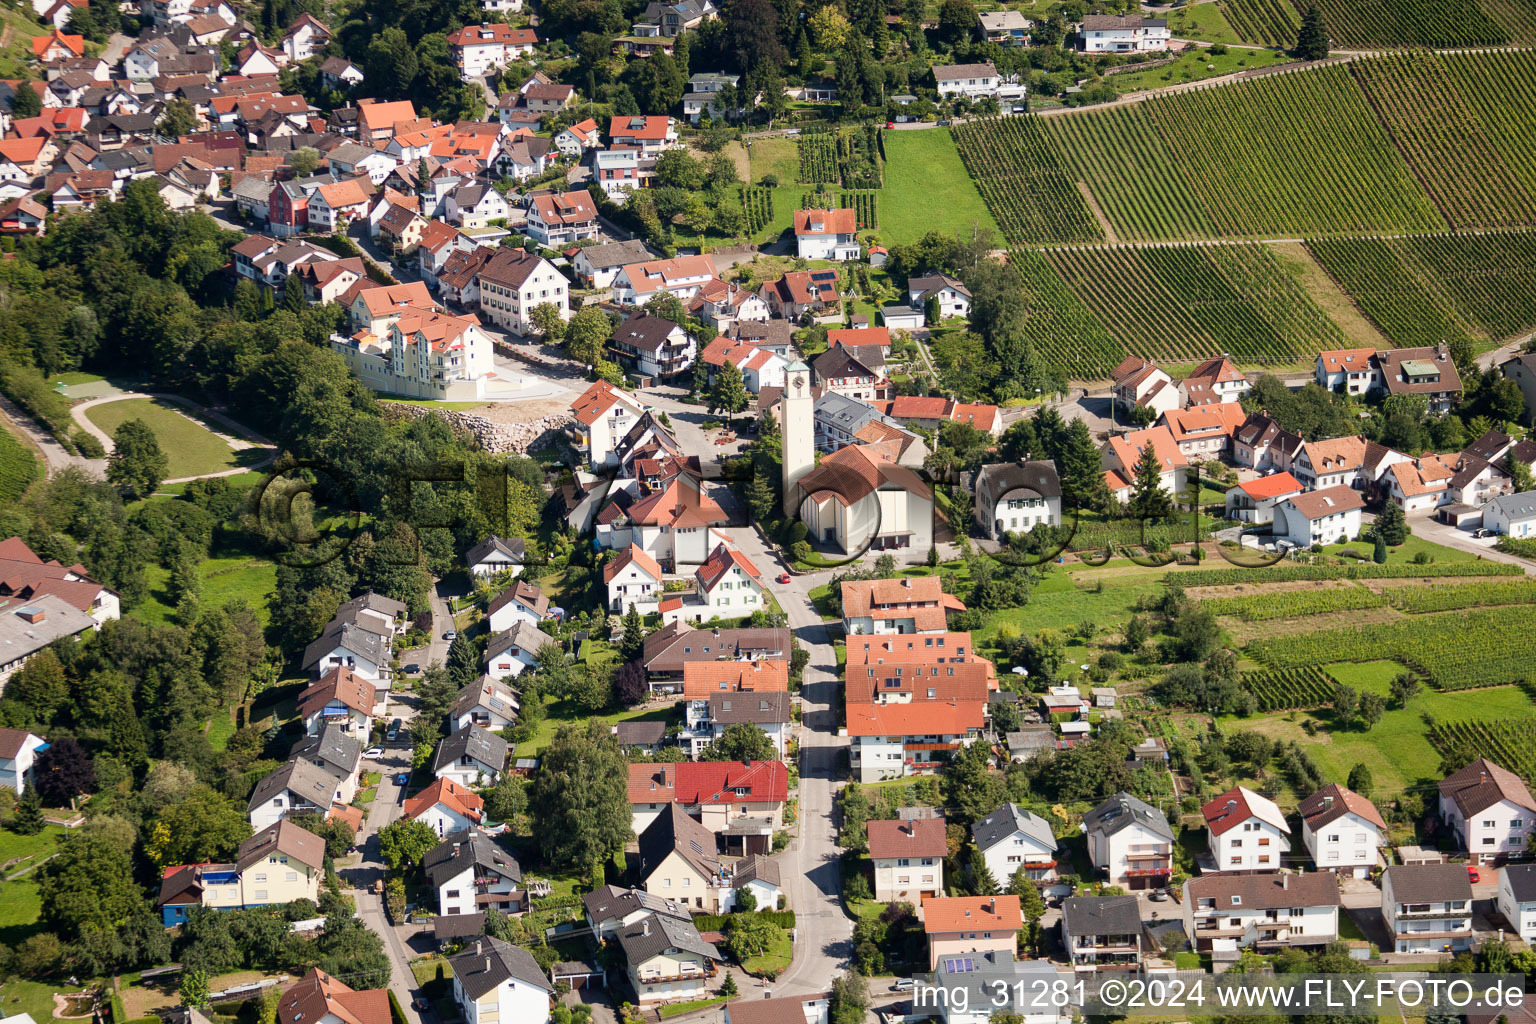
917 837
1272 486
632 554
922 718
448 793
826 222
703 678
963 913
708 782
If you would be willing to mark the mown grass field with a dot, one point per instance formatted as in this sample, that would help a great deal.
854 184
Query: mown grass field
927 189
224 580
192 448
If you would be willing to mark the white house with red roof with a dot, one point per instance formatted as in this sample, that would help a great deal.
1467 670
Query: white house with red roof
633 580
479 48
1248 831
677 525
1254 501
332 207
827 234
716 793
25 577
578 138
1421 483
1351 370
602 416
908 858
1122 453
1204 432
889 741
723 304
1328 516
446 806
1342 830
305 38
1215 381
651 135
684 277
911 604
562 219
727 586
759 367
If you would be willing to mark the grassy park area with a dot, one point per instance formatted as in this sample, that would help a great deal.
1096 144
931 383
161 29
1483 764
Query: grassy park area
192 448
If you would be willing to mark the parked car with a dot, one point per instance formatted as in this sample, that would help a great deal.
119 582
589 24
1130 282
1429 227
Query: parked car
374 752
1474 875
1158 895
403 779
782 577
903 985
452 634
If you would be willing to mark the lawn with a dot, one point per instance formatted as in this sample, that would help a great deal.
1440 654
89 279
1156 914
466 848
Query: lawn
1197 65
927 189
1206 22
560 713
779 157
20 908
777 957
1062 600
16 847
1396 751
224 580
72 377
192 448
678 1009
1406 551
34 998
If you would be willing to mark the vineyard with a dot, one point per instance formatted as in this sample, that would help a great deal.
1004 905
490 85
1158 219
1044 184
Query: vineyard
1509 743
818 160
1444 140
1501 89
1294 603
1179 303
1287 573
1062 330
1454 652
864 204
1422 290
1364 24
1418 600
1030 195
757 203
1290 689
18 467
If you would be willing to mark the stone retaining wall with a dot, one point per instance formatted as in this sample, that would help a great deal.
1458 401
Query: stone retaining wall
497 438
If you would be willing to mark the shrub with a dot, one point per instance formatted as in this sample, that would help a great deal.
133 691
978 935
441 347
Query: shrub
87 445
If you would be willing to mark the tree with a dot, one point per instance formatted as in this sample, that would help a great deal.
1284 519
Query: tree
1520 476
1391 525
304 161
26 105
28 819
405 841
203 827
338 835
728 987
741 741
89 886
1372 707
1346 701
746 900
1379 550
1136 633
586 334
1312 39
1404 687
506 800
580 797
194 988
180 119
630 685
1197 632
1149 502
1077 457
748 935
63 772
957 21
546 319
632 643
136 465
829 27
1360 780
850 998
729 392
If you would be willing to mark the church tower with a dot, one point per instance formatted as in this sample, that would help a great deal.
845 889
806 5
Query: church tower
799 413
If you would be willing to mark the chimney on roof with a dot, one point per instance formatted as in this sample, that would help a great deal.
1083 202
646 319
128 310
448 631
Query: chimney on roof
487 964
645 927
32 614
1327 802
477 947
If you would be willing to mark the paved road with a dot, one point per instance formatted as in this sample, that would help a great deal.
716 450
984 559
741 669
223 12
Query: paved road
822 945
55 458
1495 356
370 868
1425 525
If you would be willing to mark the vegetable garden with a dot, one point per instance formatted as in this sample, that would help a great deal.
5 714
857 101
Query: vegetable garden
757 203
848 158
1289 689
1454 652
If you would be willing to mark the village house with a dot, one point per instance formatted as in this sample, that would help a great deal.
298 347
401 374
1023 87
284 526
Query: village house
669 650
1010 840
952 297
840 372
1102 932
742 799
1267 912
487 703
667 959
354 647
497 555
472 874
633 580
510 653
297 787
478 49
1517 898
908 859
1329 516
826 234
18 754
596 266
678 861
760 367
1349 371
279 864
1511 515
341 697
652 346
1248 832
522 601
25 577
1204 432
1254 501
706 719
1428 371
577 138
1005 28
805 294
608 909
1427 907
1342 830
1122 33
1122 454
1521 369
638 283
973 82
513 283
446 806
956 925
726 586
910 604
321 999
1261 445
1015 497
1140 383
1338 462
497 981
619 173
556 220
1490 810
603 415
1216 380
471 756
337 752
893 740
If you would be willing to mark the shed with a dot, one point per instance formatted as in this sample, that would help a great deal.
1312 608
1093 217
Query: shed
1104 696
576 973
1460 515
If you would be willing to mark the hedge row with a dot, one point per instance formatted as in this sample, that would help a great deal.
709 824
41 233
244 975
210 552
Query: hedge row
716 922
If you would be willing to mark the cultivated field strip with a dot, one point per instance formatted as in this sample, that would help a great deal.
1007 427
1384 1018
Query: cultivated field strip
1022 180
1455 160
1373 24
1501 89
